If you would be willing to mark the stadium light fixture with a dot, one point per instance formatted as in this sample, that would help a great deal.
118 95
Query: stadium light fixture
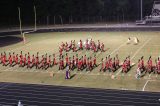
141 9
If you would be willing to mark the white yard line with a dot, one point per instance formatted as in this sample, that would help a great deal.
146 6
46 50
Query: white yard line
135 54
117 48
146 83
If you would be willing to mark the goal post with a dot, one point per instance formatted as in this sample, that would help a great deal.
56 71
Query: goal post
20 22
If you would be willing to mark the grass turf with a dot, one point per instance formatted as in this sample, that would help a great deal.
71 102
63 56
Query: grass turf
115 41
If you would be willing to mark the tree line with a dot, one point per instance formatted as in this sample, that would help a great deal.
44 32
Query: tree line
72 11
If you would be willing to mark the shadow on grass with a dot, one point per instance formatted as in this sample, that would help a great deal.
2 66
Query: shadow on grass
72 76
9 40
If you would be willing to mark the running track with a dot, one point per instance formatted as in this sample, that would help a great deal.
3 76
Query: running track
47 95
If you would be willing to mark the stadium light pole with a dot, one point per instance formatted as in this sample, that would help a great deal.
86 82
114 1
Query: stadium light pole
35 16
141 9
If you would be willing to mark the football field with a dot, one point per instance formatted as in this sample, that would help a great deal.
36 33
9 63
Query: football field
43 43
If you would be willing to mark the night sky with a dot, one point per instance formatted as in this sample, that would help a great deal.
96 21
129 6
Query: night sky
72 11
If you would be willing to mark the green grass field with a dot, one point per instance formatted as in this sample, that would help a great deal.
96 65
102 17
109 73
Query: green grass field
116 41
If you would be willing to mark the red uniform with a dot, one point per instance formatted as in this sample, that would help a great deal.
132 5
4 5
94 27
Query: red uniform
76 61
16 59
29 61
73 61
158 65
117 62
66 60
84 60
124 67
60 51
10 59
149 65
81 47
4 59
33 61
90 64
37 61
94 62
42 62
102 47
139 64
99 45
79 64
24 60
142 63
21 59
107 65
87 45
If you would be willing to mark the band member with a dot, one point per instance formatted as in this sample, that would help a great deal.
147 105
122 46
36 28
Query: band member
24 60
88 64
21 60
60 51
54 60
63 46
128 63
70 45
142 64
84 61
102 65
29 60
106 64
73 63
66 60
149 65
10 59
70 63
94 61
4 59
139 64
37 60
80 45
124 67
79 64
87 45
76 63
74 48
114 65
158 66
99 45
110 65
42 63
16 59
67 73
48 62
102 48
66 47
61 63
33 61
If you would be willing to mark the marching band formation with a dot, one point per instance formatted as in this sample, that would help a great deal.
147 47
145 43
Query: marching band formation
77 62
